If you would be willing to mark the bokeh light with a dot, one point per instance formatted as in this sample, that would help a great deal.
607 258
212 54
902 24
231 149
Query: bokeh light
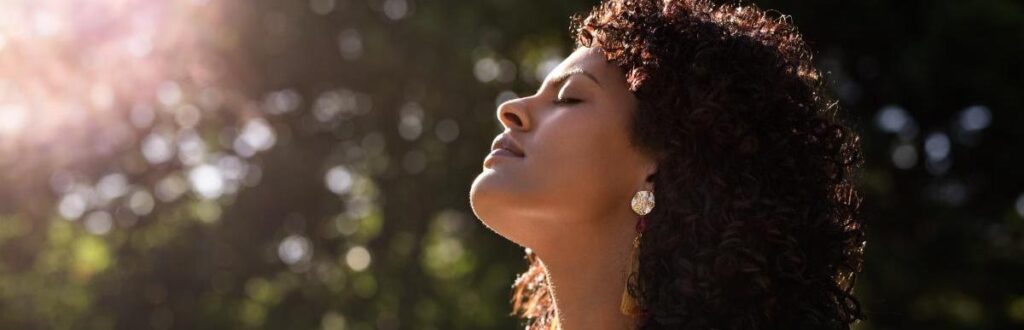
305 164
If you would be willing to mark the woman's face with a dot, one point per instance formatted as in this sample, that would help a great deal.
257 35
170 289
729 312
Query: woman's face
570 164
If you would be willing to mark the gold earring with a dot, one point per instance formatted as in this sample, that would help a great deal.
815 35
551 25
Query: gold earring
629 306
642 203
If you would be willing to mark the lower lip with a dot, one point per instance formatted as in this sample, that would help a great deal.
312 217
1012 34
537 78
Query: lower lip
498 154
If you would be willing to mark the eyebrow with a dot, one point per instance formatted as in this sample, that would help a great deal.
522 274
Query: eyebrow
562 77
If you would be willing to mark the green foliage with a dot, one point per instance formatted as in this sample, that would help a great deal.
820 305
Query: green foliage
363 123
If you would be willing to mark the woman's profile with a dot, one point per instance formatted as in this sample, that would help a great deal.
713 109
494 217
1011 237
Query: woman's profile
683 168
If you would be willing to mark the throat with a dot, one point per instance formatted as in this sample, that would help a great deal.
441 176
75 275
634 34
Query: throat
587 287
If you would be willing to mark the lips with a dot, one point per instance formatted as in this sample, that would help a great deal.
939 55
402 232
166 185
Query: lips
504 143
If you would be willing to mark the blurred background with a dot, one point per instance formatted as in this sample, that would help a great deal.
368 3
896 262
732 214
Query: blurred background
232 164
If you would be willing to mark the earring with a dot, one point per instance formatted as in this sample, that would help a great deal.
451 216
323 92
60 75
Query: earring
642 203
629 306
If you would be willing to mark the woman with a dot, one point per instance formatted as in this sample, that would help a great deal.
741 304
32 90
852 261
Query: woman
682 169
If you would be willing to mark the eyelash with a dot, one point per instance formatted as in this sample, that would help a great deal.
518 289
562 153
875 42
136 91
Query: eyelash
566 101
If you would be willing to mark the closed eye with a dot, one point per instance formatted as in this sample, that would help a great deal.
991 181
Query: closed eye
566 101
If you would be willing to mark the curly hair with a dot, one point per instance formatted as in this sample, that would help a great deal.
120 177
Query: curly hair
758 218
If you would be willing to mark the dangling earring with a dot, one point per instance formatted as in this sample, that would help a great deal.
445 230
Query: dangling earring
642 203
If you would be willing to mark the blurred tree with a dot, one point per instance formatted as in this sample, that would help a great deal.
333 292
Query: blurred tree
306 164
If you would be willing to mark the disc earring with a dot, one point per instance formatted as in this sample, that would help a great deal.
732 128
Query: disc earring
643 202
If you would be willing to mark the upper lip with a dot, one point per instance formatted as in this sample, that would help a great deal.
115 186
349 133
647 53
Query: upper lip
506 142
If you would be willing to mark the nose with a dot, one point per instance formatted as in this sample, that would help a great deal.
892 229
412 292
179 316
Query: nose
514 115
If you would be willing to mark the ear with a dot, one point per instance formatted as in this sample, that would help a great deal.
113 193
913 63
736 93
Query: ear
649 170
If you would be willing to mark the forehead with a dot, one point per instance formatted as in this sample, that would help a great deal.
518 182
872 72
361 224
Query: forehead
585 56
591 60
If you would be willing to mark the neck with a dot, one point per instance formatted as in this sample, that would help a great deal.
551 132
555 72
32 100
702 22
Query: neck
587 274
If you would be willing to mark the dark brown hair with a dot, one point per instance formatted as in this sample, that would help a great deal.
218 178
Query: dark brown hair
757 224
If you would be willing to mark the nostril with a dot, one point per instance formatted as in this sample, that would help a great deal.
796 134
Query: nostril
513 118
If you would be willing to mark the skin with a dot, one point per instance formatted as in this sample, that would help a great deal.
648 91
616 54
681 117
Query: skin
568 198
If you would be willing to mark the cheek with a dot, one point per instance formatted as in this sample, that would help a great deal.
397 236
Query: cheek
577 163
581 157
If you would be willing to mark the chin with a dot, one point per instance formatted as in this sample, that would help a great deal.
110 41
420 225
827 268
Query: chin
485 197
495 204
487 192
